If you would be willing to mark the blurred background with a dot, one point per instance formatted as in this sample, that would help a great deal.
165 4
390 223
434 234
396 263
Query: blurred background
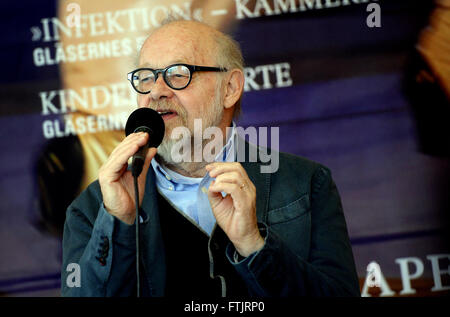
360 86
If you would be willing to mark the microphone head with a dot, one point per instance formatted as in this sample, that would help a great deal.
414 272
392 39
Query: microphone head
148 120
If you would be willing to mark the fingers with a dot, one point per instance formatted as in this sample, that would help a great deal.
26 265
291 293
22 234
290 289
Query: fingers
237 193
134 139
229 188
240 199
117 161
231 178
142 177
217 168
232 173
215 197
150 155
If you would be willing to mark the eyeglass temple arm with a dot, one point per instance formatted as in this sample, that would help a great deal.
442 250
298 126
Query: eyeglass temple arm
207 68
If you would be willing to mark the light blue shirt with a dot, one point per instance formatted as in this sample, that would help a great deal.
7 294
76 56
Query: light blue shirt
188 194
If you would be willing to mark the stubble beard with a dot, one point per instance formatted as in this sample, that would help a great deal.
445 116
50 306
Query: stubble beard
212 117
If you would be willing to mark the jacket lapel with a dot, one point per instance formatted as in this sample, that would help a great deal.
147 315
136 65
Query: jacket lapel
260 180
153 255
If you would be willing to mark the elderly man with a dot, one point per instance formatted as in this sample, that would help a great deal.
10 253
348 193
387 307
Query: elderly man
208 229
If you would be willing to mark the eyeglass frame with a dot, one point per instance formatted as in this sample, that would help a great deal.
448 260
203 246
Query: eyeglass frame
156 72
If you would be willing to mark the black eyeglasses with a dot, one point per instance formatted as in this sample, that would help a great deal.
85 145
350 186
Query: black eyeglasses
176 76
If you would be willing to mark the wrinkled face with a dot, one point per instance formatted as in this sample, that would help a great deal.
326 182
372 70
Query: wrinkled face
201 99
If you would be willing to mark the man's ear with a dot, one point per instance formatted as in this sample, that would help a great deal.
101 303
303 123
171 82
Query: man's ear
234 87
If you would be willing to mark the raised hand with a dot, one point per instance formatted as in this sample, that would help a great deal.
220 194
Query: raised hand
236 212
116 182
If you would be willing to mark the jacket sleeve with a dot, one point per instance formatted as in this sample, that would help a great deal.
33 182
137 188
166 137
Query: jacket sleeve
102 247
329 270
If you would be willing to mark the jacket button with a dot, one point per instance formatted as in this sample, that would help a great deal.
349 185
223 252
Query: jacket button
101 260
105 243
103 251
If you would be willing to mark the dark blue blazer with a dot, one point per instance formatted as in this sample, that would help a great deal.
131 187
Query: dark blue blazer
306 252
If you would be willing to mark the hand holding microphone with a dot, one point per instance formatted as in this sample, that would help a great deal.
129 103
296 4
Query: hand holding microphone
145 131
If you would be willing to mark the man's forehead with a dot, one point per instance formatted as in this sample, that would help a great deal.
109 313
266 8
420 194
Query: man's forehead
147 59
159 55
173 45
154 63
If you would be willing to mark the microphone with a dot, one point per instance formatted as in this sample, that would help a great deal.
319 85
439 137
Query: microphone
151 122
142 120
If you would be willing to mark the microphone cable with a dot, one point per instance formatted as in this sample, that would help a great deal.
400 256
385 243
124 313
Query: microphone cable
151 122
138 253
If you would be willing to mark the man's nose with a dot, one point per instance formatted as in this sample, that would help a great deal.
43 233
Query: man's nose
160 89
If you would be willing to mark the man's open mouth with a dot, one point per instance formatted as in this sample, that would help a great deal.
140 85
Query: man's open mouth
167 114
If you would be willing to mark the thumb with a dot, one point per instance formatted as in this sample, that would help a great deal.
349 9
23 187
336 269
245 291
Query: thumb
148 159
142 178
